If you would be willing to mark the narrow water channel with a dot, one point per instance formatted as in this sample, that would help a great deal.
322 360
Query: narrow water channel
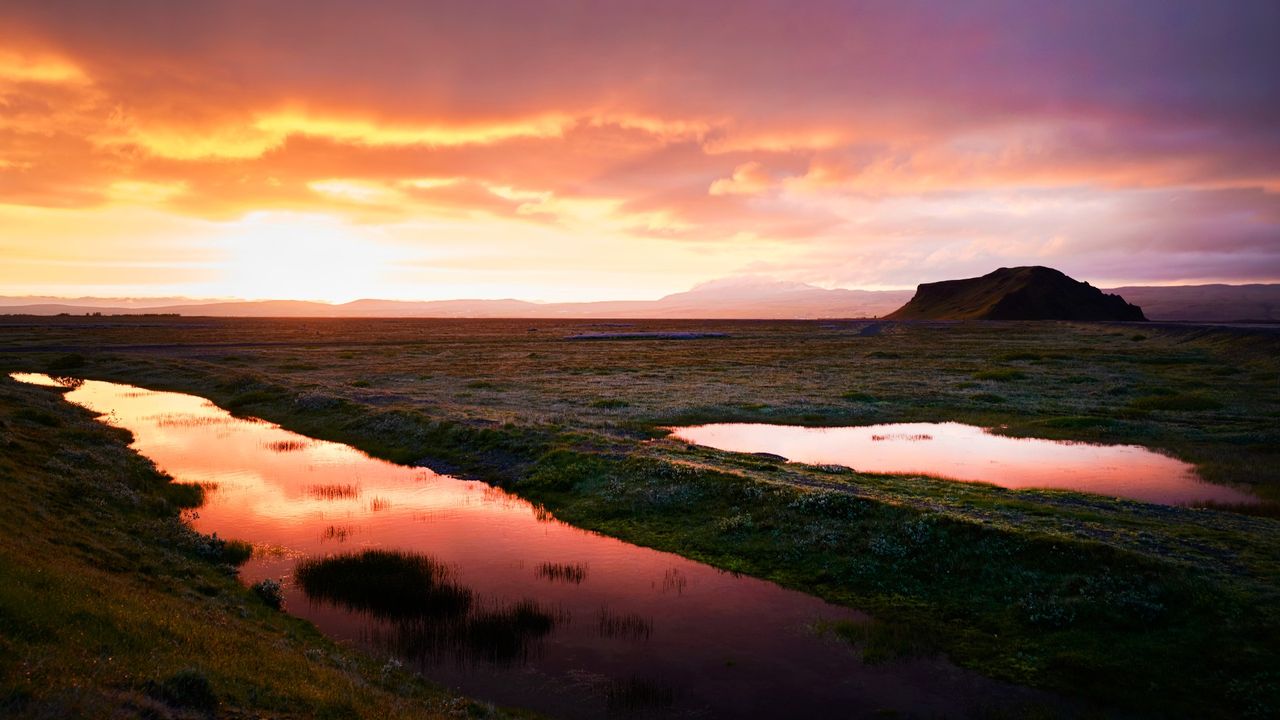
626 631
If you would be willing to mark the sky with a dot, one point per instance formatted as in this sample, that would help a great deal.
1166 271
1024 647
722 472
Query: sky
573 150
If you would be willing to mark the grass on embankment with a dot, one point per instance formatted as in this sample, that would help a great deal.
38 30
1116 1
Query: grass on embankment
110 606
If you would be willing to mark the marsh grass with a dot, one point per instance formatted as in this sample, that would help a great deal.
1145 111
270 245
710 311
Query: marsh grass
426 613
386 584
339 533
628 626
346 491
571 573
287 446
237 552
177 420
506 635
880 642
503 636
908 437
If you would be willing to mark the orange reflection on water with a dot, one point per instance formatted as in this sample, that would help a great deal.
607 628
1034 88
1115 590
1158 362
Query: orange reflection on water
715 644
963 452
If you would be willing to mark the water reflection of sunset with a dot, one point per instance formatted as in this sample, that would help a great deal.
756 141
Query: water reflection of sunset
964 452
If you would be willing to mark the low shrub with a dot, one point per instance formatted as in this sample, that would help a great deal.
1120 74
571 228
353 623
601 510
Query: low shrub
270 592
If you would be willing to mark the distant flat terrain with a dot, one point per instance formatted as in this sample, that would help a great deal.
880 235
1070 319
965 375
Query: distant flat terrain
771 301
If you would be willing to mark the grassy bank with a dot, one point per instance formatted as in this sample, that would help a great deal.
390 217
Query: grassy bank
1155 610
110 606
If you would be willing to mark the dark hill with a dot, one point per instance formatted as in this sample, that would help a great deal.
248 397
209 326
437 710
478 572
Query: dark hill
1022 293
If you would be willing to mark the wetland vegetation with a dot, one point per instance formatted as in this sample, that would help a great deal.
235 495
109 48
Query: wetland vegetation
1124 606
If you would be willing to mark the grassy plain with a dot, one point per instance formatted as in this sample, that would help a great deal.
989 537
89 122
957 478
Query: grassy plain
1148 609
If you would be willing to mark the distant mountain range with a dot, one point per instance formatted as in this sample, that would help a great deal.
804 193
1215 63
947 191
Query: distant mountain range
1206 303
1021 293
720 299
748 298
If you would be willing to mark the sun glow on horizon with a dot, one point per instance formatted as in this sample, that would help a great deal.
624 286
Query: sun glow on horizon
302 257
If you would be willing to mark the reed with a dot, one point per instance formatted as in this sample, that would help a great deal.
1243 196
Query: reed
386 584
334 492
629 626
573 573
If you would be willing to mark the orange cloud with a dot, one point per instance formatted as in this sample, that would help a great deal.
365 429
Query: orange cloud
747 179
44 69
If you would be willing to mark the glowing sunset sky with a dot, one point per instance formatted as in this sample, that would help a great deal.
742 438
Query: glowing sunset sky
587 150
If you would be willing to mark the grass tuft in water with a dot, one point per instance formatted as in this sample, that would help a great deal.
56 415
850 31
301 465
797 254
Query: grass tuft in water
573 573
503 636
880 641
631 626
386 584
236 552
334 492
284 446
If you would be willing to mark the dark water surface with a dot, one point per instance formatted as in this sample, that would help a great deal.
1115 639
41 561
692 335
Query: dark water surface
616 630
964 452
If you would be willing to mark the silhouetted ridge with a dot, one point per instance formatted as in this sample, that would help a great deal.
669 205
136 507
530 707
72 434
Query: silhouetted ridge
1022 293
